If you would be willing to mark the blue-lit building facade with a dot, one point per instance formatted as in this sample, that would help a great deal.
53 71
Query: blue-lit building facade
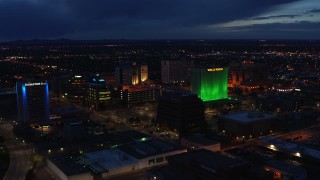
32 101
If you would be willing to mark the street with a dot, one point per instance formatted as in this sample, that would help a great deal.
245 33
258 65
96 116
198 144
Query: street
19 164
19 154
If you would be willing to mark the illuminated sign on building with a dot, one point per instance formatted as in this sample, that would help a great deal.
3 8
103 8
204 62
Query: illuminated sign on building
35 84
215 69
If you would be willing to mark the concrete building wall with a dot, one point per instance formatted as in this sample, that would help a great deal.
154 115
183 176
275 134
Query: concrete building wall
56 170
148 162
120 170
86 176
236 128
63 176
142 164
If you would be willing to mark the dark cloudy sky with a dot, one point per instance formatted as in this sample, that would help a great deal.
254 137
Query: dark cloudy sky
159 19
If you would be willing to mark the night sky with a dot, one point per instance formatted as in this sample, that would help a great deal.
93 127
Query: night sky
159 19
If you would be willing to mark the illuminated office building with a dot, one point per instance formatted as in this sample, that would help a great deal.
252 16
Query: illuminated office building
131 73
97 94
139 94
176 71
32 101
210 84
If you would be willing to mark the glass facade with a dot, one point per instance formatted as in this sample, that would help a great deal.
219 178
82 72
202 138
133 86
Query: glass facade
32 101
210 84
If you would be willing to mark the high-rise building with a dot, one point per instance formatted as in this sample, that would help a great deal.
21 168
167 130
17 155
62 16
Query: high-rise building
247 75
57 85
176 71
210 84
181 113
97 94
32 101
131 73
139 94
75 89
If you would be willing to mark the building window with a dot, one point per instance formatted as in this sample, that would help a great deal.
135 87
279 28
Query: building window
160 160
166 158
151 161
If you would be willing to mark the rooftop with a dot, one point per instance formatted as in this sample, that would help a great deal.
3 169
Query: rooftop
106 160
73 122
134 135
281 145
209 160
286 167
67 165
247 116
144 149
7 92
200 140
168 173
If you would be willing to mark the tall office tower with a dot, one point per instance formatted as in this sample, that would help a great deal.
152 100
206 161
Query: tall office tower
97 94
248 75
75 89
33 101
210 84
131 73
57 85
180 112
177 71
139 94
144 73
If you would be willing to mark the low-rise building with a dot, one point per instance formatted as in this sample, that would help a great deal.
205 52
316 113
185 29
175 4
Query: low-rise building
199 142
281 170
246 124
202 164
129 158
67 169
295 151
109 162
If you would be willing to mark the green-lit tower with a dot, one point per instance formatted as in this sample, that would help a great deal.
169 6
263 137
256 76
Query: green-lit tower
210 84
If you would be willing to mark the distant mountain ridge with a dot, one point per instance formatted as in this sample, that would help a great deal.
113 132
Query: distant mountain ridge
54 41
105 41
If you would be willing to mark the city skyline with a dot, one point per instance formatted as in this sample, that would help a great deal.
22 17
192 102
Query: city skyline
141 19
120 109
